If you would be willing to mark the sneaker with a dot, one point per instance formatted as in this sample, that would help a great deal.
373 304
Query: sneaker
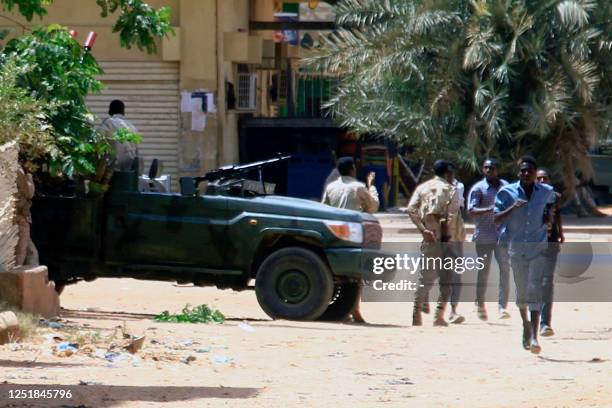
482 313
503 314
546 331
455 318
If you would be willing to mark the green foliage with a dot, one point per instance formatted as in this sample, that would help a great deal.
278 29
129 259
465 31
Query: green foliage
124 135
23 118
466 79
198 314
27 8
137 23
60 74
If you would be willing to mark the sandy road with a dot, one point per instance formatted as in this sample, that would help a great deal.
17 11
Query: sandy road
285 364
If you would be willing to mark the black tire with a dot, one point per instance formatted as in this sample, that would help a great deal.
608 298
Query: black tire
294 284
346 297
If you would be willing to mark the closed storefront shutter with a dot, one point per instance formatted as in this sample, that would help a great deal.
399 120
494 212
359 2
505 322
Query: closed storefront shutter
150 91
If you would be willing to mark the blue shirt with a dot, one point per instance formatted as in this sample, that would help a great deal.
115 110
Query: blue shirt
524 229
483 195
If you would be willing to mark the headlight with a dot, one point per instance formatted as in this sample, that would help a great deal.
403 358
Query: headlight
346 231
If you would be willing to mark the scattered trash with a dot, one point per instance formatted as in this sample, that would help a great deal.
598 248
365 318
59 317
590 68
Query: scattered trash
400 381
222 360
187 360
114 357
51 323
65 349
153 341
136 361
247 328
135 344
203 349
187 343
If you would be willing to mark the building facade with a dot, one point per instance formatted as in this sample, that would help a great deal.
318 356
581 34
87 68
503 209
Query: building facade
228 55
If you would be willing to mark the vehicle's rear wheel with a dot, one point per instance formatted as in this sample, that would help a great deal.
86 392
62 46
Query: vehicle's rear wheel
295 284
346 296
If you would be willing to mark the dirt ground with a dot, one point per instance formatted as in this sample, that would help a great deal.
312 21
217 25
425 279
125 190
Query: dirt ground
251 361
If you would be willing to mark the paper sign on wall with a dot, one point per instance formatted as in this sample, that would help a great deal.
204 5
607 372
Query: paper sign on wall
185 101
212 108
198 116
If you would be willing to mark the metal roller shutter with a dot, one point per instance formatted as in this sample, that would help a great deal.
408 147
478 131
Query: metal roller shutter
150 91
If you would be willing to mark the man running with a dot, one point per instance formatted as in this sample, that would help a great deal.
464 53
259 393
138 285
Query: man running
520 208
481 200
555 238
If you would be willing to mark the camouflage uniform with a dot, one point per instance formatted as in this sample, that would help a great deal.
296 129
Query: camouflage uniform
25 252
432 203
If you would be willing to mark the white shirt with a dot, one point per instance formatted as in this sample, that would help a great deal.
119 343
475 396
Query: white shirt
125 152
347 192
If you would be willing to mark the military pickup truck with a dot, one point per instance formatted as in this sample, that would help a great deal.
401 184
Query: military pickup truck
307 259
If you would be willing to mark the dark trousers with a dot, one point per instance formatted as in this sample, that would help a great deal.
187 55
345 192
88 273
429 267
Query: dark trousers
503 261
548 277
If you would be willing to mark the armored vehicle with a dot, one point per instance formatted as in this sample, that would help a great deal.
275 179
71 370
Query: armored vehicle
306 259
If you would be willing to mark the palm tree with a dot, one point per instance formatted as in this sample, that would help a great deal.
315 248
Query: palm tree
466 79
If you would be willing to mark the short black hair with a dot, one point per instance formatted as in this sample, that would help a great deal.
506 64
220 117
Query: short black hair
494 161
441 167
345 165
116 107
528 159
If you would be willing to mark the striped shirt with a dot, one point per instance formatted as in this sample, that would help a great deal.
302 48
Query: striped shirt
482 195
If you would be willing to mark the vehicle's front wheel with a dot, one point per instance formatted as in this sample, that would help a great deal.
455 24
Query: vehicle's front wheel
295 284
346 296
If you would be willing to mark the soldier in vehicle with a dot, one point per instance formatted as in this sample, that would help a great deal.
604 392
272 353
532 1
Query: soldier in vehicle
347 192
432 210
125 152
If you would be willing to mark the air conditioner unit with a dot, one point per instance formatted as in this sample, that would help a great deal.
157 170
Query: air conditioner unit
247 92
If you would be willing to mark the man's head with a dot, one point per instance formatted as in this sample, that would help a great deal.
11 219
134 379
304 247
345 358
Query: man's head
527 170
490 169
444 169
346 166
542 176
116 107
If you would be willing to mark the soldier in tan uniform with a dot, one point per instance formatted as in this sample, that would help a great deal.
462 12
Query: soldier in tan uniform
25 252
432 209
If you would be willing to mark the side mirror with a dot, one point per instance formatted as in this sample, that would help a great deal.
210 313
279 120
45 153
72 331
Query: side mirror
188 186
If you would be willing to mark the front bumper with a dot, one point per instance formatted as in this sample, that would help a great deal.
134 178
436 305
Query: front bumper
355 263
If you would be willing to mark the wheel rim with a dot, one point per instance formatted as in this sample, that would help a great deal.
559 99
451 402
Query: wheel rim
293 286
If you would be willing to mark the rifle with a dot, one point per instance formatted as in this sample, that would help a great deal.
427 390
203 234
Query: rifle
238 171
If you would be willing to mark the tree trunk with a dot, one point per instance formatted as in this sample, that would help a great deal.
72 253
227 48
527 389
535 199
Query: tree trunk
585 203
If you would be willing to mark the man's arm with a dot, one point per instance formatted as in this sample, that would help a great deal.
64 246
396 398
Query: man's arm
369 199
475 200
413 212
503 207
558 221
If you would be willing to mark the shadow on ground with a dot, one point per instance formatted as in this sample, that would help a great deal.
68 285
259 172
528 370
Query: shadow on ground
117 395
